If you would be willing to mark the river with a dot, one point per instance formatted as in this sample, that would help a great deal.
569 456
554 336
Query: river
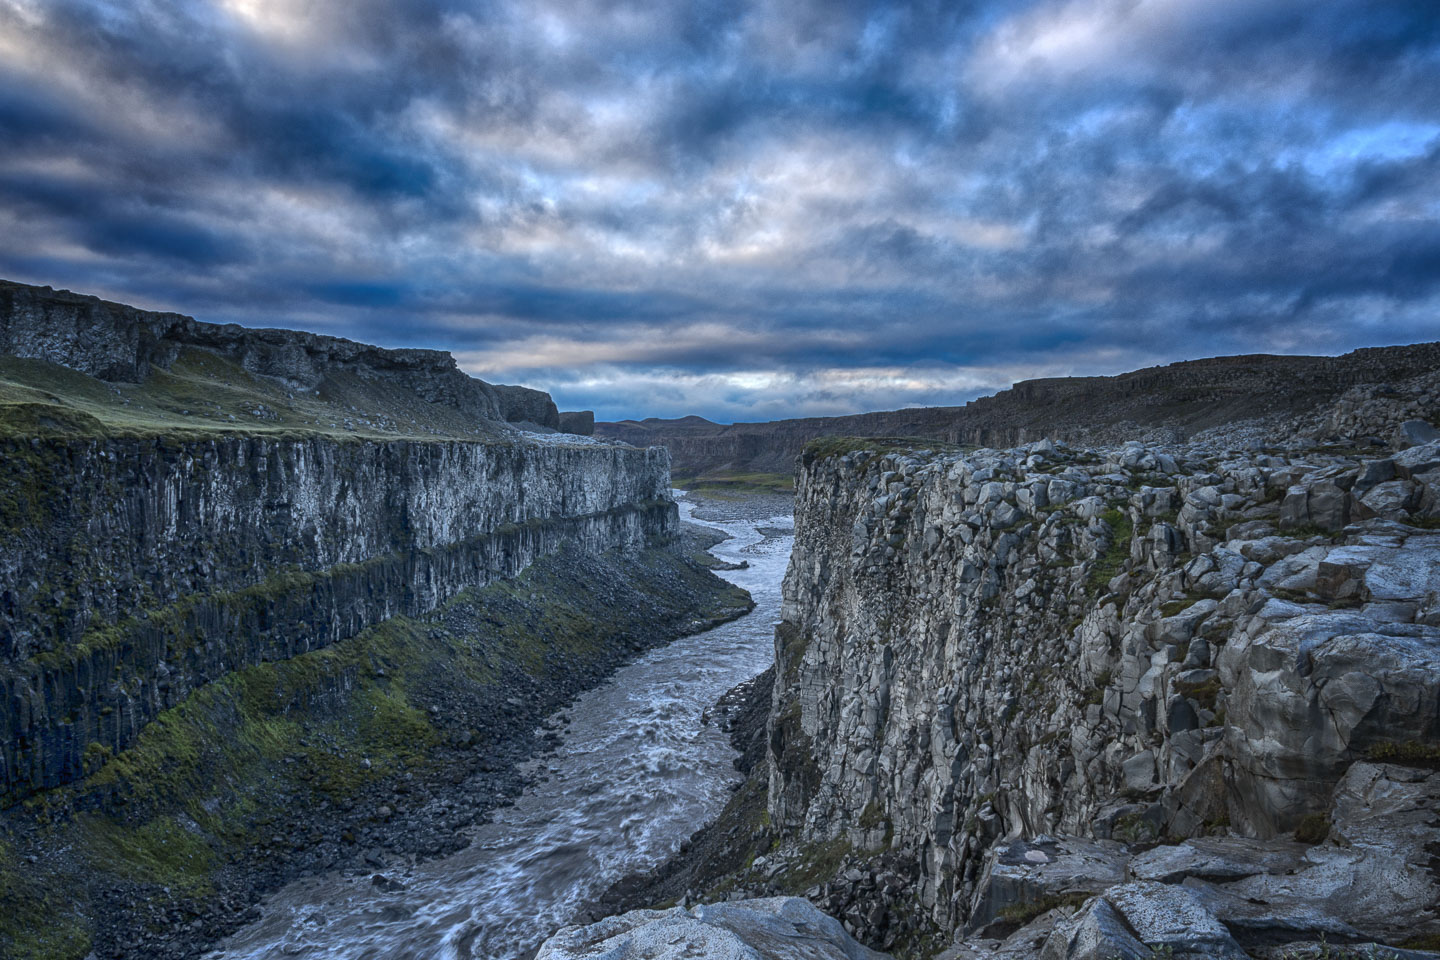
636 771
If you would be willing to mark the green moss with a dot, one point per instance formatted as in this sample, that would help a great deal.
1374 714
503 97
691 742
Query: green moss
1113 560
1173 607
1410 753
1313 828
1205 694
203 394
61 936
160 851
723 485
39 919
791 643
1425 941
872 816
1134 828
210 779
1020 914
1309 531
96 756
817 863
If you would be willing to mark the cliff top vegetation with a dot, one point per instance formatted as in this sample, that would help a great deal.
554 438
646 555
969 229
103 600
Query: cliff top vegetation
205 393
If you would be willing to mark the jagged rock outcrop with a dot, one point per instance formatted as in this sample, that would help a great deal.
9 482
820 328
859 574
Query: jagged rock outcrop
778 928
1089 650
1172 403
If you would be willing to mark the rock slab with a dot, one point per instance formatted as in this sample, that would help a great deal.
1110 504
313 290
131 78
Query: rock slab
773 928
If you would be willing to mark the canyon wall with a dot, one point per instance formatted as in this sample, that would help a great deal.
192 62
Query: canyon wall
134 571
273 603
1126 646
146 555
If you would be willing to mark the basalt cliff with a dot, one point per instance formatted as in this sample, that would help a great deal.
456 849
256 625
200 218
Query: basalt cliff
269 600
1118 700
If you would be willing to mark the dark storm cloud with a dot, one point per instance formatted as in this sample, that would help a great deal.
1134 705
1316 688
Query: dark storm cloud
740 209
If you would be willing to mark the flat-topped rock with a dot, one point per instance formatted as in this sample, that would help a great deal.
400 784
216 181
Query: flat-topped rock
775 928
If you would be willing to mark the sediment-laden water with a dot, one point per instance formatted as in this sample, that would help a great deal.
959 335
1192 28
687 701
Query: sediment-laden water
635 773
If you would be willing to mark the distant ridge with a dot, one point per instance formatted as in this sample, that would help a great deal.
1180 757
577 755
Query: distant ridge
1176 400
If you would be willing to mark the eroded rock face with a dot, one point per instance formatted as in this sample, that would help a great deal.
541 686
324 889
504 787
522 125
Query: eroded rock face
1125 644
149 567
1043 869
777 928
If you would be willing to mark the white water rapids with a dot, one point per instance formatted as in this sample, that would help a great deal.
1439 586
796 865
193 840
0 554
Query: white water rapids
635 773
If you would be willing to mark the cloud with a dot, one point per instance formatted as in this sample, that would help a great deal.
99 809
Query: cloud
743 209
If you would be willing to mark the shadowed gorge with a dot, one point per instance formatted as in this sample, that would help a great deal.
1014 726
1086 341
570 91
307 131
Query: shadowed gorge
246 572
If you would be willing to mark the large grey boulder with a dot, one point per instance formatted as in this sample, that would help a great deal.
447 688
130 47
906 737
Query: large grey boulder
1312 693
1218 859
1413 432
774 928
1045 869
1132 920
1098 932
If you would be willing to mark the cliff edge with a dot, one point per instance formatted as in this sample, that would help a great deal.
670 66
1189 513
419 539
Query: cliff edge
328 378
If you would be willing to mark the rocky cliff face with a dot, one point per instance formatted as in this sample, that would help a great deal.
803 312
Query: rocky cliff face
1171 402
140 563
1122 646
135 571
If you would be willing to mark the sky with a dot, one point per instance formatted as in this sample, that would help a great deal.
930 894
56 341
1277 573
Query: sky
743 210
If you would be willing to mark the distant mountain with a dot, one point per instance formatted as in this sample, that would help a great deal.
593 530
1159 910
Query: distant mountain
1173 402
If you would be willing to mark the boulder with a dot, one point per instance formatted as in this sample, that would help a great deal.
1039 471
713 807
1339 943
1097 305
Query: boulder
1413 432
1098 932
1392 500
1372 879
1314 692
774 928
1217 858
1043 870
1134 920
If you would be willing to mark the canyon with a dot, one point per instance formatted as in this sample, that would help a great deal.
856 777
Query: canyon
266 597
1099 667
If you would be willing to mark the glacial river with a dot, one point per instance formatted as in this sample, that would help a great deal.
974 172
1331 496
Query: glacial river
635 773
